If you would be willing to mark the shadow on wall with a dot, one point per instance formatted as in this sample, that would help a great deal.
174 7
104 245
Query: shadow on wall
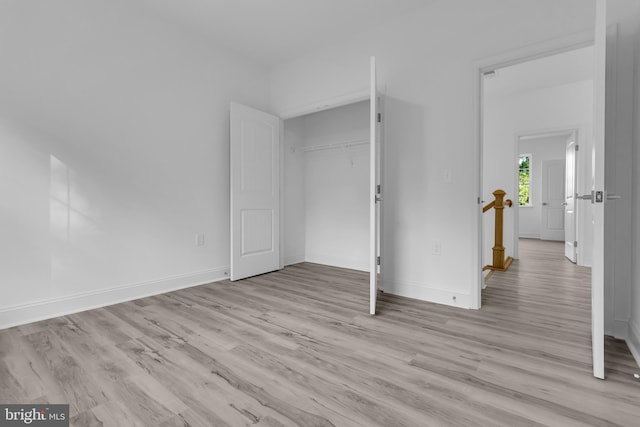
403 179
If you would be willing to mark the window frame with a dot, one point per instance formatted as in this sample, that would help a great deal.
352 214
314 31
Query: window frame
530 168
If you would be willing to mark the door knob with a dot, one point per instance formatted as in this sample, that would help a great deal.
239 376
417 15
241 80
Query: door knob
598 196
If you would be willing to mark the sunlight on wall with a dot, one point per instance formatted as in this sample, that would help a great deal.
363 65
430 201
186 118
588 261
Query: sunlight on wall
69 208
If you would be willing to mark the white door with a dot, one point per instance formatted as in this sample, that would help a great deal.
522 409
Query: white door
597 196
571 179
552 218
374 193
255 192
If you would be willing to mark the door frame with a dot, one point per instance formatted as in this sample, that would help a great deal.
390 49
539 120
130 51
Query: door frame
374 97
314 107
578 235
551 132
518 56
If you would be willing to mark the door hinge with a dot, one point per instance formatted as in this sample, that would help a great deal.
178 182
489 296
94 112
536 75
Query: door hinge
378 189
378 260
575 244
379 117
577 148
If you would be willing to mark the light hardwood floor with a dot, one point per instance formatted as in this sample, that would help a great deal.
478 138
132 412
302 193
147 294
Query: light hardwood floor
297 347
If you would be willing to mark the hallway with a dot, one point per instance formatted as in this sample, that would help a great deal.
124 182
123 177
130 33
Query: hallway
544 289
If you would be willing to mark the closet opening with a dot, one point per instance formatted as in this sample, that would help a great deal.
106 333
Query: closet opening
325 191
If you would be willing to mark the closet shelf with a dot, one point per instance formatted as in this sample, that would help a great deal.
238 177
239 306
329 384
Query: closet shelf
334 146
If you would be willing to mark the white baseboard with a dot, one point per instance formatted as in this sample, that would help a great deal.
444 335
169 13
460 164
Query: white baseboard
633 341
528 236
340 262
425 293
293 259
54 307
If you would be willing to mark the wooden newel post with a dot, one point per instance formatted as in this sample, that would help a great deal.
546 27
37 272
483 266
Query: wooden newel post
498 249
499 261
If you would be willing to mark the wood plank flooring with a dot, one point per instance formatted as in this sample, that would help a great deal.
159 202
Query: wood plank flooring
297 347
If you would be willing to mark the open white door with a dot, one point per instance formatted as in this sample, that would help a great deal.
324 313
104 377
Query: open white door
374 205
570 181
598 196
255 192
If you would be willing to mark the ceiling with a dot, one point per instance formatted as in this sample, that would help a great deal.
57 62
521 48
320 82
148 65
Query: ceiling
274 31
564 68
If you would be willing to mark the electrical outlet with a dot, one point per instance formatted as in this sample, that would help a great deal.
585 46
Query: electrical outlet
436 247
199 239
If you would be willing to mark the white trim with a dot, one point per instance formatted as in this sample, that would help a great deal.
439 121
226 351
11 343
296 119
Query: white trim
491 63
326 104
423 292
283 195
359 263
526 136
528 235
519 154
475 297
293 259
633 341
535 51
62 306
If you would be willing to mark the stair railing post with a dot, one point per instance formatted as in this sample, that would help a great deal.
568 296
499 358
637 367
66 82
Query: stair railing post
498 249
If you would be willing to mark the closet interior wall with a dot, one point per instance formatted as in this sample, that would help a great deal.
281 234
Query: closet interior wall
326 187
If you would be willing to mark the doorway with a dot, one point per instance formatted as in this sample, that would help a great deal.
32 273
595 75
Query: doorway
547 176
257 182
326 187
530 111
549 98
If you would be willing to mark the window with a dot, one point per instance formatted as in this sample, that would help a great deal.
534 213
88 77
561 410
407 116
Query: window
524 180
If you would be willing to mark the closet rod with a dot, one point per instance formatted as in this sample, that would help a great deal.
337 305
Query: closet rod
333 146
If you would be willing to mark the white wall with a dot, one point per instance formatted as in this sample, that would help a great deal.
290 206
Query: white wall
633 338
331 206
541 150
113 155
294 213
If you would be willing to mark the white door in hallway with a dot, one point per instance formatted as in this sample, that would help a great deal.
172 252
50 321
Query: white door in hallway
374 193
598 195
552 218
570 187
255 192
